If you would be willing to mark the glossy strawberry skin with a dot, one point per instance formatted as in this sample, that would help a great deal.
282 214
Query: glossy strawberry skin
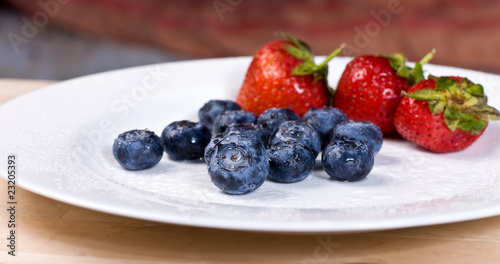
415 122
268 83
370 90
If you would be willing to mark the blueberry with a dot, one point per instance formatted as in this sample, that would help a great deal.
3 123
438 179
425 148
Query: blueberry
138 149
213 108
232 117
324 120
253 131
300 132
347 159
365 131
272 118
185 140
290 162
236 163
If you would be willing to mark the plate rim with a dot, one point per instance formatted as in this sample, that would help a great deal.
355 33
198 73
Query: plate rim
279 228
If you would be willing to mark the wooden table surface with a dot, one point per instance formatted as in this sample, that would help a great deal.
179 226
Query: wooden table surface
54 232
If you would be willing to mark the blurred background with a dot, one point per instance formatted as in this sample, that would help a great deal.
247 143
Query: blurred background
62 39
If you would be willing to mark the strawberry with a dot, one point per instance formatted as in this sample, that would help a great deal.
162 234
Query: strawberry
283 74
444 114
370 87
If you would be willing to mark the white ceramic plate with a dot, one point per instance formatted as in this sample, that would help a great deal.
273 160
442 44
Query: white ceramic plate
62 137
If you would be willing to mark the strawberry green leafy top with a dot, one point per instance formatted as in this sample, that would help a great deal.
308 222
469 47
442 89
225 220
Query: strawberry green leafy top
412 75
302 51
462 103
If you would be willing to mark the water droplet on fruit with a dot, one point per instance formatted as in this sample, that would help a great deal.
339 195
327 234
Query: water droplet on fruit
388 93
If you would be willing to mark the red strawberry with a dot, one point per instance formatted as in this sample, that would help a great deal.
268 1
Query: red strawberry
444 114
283 74
370 88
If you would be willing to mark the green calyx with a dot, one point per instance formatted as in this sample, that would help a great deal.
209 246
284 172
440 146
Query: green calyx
302 51
412 75
463 104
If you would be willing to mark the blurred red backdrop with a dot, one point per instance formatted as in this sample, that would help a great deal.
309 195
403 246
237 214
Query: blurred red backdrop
466 33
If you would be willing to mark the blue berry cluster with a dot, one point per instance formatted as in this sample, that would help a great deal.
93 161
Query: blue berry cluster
292 145
242 150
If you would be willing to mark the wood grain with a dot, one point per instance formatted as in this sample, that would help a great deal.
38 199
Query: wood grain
55 232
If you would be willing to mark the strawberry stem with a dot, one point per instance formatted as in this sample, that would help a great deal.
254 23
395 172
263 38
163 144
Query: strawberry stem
428 57
417 73
331 56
